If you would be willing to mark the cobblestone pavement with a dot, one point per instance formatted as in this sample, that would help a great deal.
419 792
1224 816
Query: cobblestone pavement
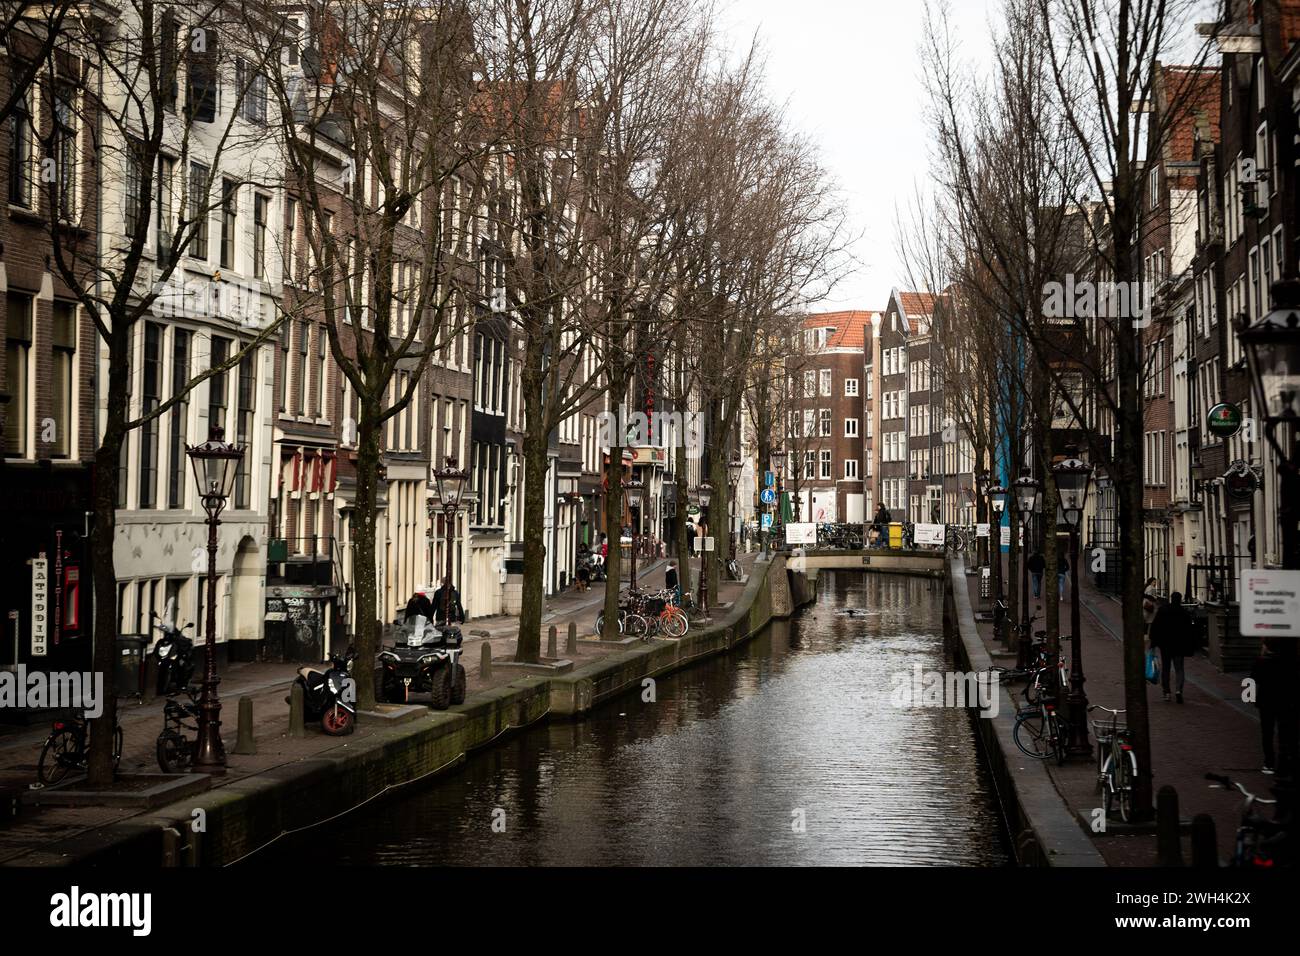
1213 731
267 685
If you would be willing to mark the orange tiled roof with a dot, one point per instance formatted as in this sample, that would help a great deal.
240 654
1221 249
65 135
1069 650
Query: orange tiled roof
850 328
1195 93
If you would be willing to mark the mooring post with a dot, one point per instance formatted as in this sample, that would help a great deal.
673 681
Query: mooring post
1169 845
297 720
571 643
244 743
551 647
485 662
171 847
1205 842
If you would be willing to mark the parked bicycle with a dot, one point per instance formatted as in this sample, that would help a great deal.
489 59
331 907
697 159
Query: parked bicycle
1260 842
1116 763
65 749
1041 732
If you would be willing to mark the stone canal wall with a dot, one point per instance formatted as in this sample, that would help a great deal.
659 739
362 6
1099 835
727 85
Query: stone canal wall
247 814
1043 830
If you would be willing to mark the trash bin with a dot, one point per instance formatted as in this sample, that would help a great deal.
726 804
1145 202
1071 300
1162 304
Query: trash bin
128 675
895 534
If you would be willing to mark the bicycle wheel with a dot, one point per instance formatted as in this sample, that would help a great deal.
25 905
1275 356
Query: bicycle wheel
634 625
673 623
1059 730
1125 778
1031 735
58 756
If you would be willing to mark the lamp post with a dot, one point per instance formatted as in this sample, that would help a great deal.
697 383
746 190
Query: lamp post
735 468
1272 347
777 459
450 482
982 483
1028 497
216 464
632 489
705 491
1072 477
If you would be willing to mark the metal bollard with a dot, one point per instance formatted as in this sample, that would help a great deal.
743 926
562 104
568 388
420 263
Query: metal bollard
551 650
1205 842
297 718
171 847
245 744
485 662
571 643
1169 845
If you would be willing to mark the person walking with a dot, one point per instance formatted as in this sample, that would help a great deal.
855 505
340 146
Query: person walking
447 608
1277 678
1173 636
673 583
1150 603
1037 565
1062 571
690 537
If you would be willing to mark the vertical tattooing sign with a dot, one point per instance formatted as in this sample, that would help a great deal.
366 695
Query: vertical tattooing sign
40 605
648 391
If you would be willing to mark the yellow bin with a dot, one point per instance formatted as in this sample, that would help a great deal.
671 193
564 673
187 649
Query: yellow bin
895 534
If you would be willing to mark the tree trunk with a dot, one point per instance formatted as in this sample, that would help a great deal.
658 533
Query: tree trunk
364 545
614 526
528 649
104 652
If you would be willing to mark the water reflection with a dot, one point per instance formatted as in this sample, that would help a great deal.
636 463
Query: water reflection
716 769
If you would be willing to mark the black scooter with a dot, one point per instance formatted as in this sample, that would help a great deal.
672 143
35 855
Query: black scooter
329 695
175 653
428 665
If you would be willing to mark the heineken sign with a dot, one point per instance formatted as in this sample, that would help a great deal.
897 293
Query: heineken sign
1224 420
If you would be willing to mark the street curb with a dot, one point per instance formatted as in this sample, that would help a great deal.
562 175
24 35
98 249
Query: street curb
1044 831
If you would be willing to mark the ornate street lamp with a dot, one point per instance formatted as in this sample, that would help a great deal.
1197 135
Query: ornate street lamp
216 465
1073 476
1272 347
632 493
705 492
735 468
1028 495
450 482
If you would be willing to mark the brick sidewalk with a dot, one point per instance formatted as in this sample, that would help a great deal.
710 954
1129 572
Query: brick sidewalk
267 685
1213 731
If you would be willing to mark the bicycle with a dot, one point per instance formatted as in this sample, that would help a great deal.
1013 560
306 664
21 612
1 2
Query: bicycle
65 749
1041 732
954 539
1259 842
1116 763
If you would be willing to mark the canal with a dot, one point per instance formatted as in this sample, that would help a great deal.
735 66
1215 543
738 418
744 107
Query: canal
787 751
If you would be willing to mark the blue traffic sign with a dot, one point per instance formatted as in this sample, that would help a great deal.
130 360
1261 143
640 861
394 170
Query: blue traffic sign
768 496
769 479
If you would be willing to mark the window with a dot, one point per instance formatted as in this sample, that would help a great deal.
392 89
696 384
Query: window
180 414
850 428
286 333
300 385
851 469
809 384
217 384
826 382
20 155
163 205
134 177
198 212
826 463
321 369
151 394
229 214
65 149
201 77
18 336
63 375
244 428
850 388
824 422
253 90
810 464
260 206
807 423
290 226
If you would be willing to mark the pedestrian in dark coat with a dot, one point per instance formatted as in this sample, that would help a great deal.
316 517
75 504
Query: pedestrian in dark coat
1037 565
1276 673
1173 636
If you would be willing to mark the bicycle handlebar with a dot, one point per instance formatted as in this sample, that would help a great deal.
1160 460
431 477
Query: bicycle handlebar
1229 784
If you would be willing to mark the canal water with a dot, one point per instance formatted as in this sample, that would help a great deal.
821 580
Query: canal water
788 751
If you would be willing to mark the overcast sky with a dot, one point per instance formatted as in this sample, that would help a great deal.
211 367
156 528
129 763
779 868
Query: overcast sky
850 74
